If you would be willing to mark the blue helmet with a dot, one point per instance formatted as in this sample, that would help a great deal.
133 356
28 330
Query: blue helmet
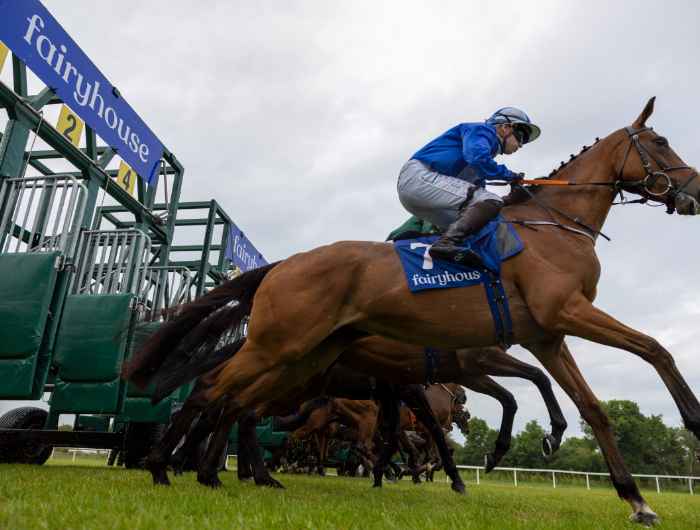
517 118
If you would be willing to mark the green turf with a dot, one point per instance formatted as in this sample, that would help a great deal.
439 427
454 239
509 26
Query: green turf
72 497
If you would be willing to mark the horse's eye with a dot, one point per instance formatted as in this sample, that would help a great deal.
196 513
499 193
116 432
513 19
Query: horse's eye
661 141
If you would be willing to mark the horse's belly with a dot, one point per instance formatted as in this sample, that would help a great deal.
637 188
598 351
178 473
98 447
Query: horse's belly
446 318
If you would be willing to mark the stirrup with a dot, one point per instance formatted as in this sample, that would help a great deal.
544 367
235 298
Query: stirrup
462 256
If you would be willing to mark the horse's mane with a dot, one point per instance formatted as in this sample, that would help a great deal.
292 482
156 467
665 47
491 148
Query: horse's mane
519 195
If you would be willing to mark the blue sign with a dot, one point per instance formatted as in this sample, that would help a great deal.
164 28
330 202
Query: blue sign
33 35
241 252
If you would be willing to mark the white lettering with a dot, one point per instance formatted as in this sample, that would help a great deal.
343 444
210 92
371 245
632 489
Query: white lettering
124 137
33 26
95 96
59 63
427 258
134 142
67 72
113 120
84 91
52 49
81 99
143 152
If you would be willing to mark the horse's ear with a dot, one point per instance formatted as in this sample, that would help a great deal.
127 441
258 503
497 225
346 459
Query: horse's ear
641 121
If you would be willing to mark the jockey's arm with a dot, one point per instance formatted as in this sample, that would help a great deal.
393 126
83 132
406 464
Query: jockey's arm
477 147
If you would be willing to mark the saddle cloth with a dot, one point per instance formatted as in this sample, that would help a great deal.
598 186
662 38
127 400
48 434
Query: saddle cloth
495 243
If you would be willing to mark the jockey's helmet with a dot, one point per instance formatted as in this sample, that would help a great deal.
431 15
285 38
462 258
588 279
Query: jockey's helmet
519 120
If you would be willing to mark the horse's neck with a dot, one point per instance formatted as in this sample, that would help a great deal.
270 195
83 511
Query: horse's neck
590 205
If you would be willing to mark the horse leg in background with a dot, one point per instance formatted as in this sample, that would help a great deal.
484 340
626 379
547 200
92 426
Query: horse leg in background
323 441
485 385
389 414
414 396
497 362
254 465
557 359
226 415
581 318
407 445
159 456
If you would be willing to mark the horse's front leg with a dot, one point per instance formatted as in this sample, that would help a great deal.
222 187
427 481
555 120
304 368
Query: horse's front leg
495 361
557 359
415 398
390 423
580 318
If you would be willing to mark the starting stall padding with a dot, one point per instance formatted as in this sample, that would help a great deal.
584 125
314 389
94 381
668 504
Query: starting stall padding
90 348
97 322
39 223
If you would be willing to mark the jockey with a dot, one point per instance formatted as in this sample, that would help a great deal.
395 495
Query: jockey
444 182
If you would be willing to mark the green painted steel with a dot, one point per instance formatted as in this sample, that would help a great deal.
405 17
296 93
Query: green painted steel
92 343
25 303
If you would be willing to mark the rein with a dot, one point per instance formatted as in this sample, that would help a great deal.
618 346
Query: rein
451 394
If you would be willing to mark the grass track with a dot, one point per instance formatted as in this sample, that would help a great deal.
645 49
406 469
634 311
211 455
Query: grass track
62 496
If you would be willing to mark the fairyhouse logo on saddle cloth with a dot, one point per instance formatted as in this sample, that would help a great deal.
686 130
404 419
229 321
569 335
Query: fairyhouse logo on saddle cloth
33 35
422 272
496 242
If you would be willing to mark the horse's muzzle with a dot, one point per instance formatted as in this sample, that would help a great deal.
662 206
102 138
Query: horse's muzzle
686 204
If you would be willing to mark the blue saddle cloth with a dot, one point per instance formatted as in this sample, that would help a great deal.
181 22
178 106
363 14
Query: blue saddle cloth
495 243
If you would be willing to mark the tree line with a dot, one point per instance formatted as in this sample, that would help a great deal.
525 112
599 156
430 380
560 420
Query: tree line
648 445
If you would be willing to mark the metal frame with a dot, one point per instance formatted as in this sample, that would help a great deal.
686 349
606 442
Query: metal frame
208 274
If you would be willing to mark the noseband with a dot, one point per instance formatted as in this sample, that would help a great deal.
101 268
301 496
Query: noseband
651 177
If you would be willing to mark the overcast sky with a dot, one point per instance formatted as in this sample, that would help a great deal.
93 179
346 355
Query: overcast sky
296 117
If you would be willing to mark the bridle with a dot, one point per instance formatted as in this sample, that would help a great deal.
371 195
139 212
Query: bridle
651 177
667 196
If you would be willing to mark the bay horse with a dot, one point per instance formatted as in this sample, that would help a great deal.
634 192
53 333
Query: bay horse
310 308
401 365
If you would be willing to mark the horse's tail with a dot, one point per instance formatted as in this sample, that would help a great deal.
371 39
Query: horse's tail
196 328
294 421
173 375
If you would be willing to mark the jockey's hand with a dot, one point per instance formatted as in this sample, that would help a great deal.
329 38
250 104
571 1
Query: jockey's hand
517 180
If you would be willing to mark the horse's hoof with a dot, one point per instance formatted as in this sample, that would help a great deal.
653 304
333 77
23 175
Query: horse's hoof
459 487
161 480
272 483
377 485
269 482
489 462
548 445
646 517
159 473
211 481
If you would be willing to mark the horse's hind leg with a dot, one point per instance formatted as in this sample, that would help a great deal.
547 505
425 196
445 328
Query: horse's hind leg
558 361
248 445
158 458
495 361
254 380
208 472
415 398
485 385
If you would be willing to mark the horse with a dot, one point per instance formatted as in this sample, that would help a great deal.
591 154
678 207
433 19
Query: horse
308 309
401 365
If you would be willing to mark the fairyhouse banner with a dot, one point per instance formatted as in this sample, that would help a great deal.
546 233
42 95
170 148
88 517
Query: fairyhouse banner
33 35
241 252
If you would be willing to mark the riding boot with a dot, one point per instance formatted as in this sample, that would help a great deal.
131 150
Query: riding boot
471 219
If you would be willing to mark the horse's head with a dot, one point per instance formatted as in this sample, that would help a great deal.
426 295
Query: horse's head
649 167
